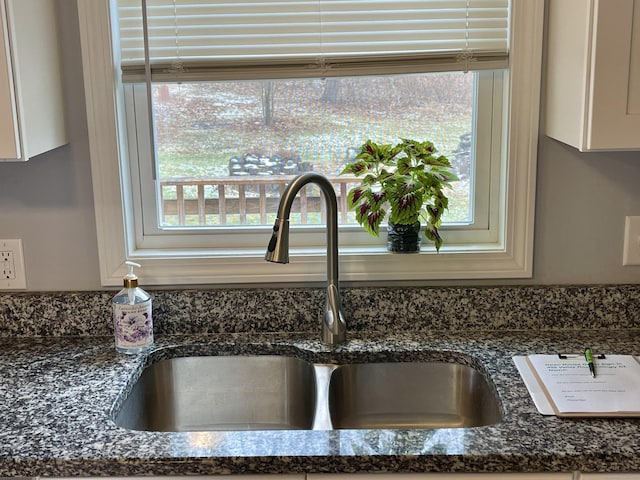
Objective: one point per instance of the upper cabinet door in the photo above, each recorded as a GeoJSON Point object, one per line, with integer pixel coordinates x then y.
{"type": "Point", "coordinates": [31, 92]}
{"type": "Point", "coordinates": [9, 131]}
{"type": "Point", "coordinates": [593, 74]}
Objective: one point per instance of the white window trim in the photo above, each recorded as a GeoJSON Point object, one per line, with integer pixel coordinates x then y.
{"type": "Point", "coordinates": [483, 227]}
{"type": "Point", "coordinates": [510, 256]}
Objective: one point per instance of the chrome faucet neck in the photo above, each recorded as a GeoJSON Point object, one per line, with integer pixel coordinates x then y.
{"type": "Point", "coordinates": [333, 322]}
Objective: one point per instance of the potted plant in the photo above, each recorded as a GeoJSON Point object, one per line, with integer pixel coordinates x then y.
{"type": "Point", "coordinates": [405, 183]}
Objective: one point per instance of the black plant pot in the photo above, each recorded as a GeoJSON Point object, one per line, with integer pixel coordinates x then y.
{"type": "Point", "coordinates": [403, 238]}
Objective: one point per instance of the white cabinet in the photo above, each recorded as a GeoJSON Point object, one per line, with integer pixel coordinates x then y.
{"type": "Point", "coordinates": [593, 74]}
{"type": "Point", "coordinates": [443, 476]}
{"type": "Point", "coordinates": [31, 96]}
{"type": "Point", "coordinates": [609, 476]}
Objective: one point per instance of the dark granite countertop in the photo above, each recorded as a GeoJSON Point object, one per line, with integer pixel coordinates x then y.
{"type": "Point", "coordinates": [57, 394]}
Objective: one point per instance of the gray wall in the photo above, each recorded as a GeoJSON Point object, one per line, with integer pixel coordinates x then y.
{"type": "Point", "coordinates": [582, 200]}
{"type": "Point", "coordinates": [48, 201]}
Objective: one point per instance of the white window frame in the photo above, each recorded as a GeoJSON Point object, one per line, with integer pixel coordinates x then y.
{"type": "Point", "coordinates": [483, 227]}
{"type": "Point", "coordinates": [508, 254]}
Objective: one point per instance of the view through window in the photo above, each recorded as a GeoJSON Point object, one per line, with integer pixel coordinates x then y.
{"type": "Point", "coordinates": [226, 149]}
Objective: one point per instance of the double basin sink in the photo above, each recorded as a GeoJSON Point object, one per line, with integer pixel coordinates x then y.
{"type": "Point", "coordinates": [272, 392]}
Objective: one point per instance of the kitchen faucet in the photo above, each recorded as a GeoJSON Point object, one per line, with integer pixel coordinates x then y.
{"type": "Point", "coordinates": [334, 327]}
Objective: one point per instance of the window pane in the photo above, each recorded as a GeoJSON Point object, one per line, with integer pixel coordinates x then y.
{"type": "Point", "coordinates": [226, 150]}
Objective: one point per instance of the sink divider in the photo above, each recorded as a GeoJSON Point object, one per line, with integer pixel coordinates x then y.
{"type": "Point", "coordinates": [322, 416]}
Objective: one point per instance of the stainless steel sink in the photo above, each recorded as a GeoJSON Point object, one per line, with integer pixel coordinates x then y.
{"type": "Point", "coordinates": [222, 393]}
{"type": "Point", "coordinates": [278, 392]}
{"type": "Point", "coordinates": [410, 395]}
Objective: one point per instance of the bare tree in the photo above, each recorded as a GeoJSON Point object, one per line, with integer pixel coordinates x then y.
{"type": "Point", "coordinates": [268, 94]}
{"type": "Point", "coordinates": [331, 90]}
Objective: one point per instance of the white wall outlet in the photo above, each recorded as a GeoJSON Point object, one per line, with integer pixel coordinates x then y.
{"type": "Point", "coordinates": [12, 275]}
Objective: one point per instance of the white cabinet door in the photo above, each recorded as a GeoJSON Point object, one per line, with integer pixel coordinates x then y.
{"type": "Point", "coordinates": [31, 93]}
{"type": "Point", "coordinates": [283, 476]}
{"type": "Point", "coordinates": [609, 476]}
{"type": "Point", "coordinates": [9, 133]}
{"type": "Point", "coordinates": [593, 74]}
{"type": "Point", "coordinates": [442, 476]}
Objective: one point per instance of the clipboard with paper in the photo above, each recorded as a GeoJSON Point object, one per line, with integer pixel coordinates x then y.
{"type": "Point", "coordinates": [571, 391]}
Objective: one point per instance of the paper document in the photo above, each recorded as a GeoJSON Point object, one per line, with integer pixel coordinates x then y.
{"type": "Point", "coordinates": [571, 389]}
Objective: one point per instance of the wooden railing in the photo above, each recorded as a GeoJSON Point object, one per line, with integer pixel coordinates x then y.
{"type": "Point", "coordinates": [239, 197]}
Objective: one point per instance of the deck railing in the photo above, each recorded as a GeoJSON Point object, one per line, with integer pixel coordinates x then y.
{"type": "Point", "coordinates": [240, 197]}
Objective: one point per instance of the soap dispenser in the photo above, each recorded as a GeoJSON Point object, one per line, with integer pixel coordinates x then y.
{"type": "Point", "coordinates": [132, 321]}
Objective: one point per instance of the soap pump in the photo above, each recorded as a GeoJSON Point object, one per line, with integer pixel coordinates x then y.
{"type": "Point", "coordinates": [132, 320]}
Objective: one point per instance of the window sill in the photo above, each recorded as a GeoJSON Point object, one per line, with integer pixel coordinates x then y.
{"type": "Point", "coordinates": [309, 266]}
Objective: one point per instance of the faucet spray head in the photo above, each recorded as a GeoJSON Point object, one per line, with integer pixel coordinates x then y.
{"type": "Point", "coordinates": [278, 248]}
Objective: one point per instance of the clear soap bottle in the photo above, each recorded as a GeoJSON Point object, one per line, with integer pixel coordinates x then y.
{"type": "Point", "coordinates": [132, 320]}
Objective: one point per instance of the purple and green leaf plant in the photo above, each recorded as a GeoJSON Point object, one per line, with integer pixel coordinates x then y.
{"type": "Point", "coordinates": [403, 183]}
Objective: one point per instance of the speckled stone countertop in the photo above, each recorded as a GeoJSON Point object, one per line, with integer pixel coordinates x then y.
{"type": "Point", "coordinates": [57, 393]}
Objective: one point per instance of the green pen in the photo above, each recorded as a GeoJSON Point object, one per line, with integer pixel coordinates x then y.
{"type": "Point", "coordinates": [589, 358]}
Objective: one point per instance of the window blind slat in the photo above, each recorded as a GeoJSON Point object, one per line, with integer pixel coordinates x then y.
{"type": "Point", "coordinates": [208, 36]}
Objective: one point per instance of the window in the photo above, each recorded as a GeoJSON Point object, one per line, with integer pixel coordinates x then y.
{"type": "Point", "coordinates": [236, 104]}
{"type": "Point", "coordinates": [223, 158]}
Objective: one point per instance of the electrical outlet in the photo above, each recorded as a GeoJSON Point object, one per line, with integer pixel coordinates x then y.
{"type": "Point", "coordinates": [12, 275]}
{"type": "Point", "coordinates": [7, 266]}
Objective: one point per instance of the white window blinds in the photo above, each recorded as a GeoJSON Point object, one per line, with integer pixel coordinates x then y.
{"type": "Point", "coordinates": [207, 39]}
